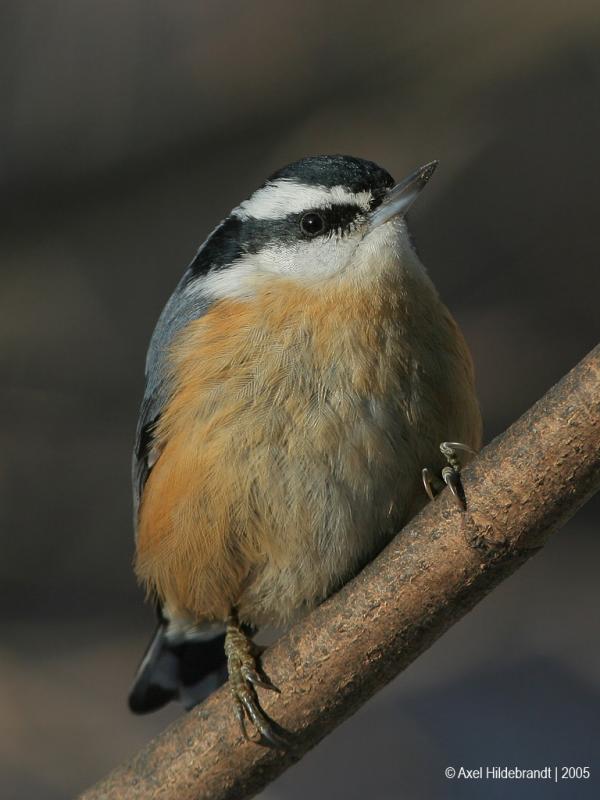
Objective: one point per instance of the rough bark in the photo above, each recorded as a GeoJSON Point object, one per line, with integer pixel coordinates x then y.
{"type": "Point", "coordinates": [521, 488]}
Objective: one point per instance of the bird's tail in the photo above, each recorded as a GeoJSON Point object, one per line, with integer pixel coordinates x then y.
{"type": "Point", "coordinates": [187, 669]}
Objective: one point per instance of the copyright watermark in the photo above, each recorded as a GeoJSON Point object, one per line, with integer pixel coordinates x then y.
{"type": "Point", "coordinates": [505, 773]}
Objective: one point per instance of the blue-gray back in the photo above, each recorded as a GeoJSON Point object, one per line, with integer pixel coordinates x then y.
{"type": "Point", "coordinates": [185, 304]}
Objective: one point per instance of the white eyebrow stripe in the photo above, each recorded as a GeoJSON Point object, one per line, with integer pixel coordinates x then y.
{"type": "Point", "coordinates": [279, 198]}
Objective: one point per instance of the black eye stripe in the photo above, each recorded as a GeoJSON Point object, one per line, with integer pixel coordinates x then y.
{"type": "Point", "coordinates": [235, 237]}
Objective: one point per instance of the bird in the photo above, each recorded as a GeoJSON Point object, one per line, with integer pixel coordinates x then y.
{"type": "Point", "coordinates": [299, 383]}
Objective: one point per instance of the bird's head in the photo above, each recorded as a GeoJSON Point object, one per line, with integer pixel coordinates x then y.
{"type": "Point", "coordinates": [317, 218]}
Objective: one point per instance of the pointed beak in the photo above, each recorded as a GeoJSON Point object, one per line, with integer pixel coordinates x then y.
{"type": "Point", "coordinates": [401, 196]}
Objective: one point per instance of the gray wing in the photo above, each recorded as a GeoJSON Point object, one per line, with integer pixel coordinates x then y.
{"type": "Point", "coordinates": [187, 303]}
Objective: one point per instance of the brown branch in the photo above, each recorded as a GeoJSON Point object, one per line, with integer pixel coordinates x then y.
{"type": "Point", "coordinates": [523, 486]}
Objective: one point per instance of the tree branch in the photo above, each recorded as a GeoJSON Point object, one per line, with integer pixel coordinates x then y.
{"type": "Point", "coordinates": [521, 488]}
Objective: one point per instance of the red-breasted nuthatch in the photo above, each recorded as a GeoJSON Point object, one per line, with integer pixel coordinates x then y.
{"type": "Point", "coordinates": [300, 376]}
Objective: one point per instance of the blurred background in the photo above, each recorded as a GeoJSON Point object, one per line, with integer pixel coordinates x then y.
{"type": "Point", "coordinates": [128, 130]}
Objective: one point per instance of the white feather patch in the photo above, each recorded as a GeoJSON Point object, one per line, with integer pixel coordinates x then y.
{"type": "Point", "coordinates": [282, 197]}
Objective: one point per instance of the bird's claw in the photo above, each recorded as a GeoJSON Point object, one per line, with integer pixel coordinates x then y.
{"type": "Point", "coordinates": [252, 675]}
{"type": "Point", "coordinates": [450, 474]}
{"type": "Point", "coordinates": [244, 676]}
{"type": "Point", "coordinates": [431, 483]}
{"type": "Point", "coordinates": [448, 450]}
{"type": "Point", "coordinates": [451, 478]}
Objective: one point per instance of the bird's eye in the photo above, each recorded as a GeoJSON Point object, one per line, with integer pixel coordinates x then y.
{"type": "Point", "coordinates": [312, 223]}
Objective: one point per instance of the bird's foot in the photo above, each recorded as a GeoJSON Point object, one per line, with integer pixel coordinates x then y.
{"type": "Point", "coordinates": [450, 474]}
{"type": "Point", "coordinates": [244, 676]}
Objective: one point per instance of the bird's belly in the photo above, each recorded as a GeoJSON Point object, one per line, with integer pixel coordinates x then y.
{"type": "Point", "coordinates": [335, 490]}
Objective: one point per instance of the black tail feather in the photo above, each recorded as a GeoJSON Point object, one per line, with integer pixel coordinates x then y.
{"type": "Point", "coordinates": [187, 671]}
